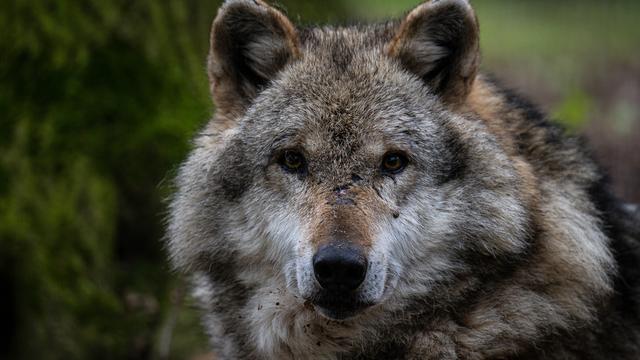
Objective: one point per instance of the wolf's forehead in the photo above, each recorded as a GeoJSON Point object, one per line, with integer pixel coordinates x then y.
{"type": "Point", "coordinates": [339, 65]}
{"type": "Point", "coordinates": [340, 38]}
{"type": "Point", "coordinates": [347, 115]}
{"type": "Point", "coordinates": [345, 92]}
{"type": "Point", "coordinates": [357, 53]}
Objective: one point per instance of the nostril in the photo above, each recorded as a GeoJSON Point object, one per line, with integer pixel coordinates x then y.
{"type": "Point", "coordinates": [323, 270]}
{"type": "Point", "coordinates": [339, 267]}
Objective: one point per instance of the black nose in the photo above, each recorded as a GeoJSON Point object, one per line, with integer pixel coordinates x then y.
{"type": "Point", "coordinates": [339, 267]}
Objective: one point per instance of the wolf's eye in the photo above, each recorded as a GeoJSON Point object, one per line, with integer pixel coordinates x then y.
{"type": "Point", "coordinates": [393, 163]}
{"type": "Point", "coordinates": [292, 161]}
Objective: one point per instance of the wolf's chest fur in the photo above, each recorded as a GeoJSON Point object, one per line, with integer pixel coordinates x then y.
{"type": "Point", "coordinates": [362, 193]}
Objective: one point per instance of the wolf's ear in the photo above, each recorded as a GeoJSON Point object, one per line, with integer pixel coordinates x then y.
{"type": "Point", "coordinates": [438, 41]}
{"type": "Point", "coordinates": [250, 43]}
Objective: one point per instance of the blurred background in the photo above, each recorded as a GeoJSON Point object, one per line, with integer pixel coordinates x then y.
{"type": "Point", "coordinates": [98, 101]}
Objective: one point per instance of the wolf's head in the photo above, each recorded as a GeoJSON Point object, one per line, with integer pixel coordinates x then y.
{"type": "Point", "coordinates": [343, 168]}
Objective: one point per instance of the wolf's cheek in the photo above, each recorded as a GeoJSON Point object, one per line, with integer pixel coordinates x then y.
{"type": "Point", "coordinates": [455, 233]}
{"type": "Point", "coordinates": [419, 245]}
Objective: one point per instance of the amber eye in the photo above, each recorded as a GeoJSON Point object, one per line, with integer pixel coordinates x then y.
{"type": "Point", "coordinates": [394, 163]}
{"type": "Point", "coordinates": [292, 161]}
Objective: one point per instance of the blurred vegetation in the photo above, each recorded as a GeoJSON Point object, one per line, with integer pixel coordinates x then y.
{"type": "Point", "coordinates": [99, 99]}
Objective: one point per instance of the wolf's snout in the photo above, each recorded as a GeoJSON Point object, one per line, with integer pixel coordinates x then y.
{"type": "Point", "coordinates": [339, 267]}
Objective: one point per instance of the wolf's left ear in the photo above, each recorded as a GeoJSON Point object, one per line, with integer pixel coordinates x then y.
{"type": "Point", "coordinates": [438, 41]}
{"type": "Point", "coordinates": [250, 43]}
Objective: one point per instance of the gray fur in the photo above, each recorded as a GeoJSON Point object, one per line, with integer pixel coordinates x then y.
{"type": "Point", "coordinates": [499, 240]}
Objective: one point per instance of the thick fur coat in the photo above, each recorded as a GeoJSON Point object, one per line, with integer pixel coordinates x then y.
{"type": "Point", "coordinates": [464, 224]}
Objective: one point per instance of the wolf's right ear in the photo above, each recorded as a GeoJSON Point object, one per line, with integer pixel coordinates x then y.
{"type": "Point", "coordinates": [250, 43]}
{"type": "Point", "coordinates": [438, 41]}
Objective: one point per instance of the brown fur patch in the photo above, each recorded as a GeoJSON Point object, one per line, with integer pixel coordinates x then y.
{"type": "Point", "coordinates": [489, 106]}
{"type": "Point", "coordinates": [344, 217]}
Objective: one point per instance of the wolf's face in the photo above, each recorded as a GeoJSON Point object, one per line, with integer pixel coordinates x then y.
{"type": "Point", "coordinates": [341, 168]}
{"type": "Point", "coordinates": [360, 181]}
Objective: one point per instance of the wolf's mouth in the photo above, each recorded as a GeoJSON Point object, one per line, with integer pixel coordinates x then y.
{"type": "Point", "coordinates": [336, 308]}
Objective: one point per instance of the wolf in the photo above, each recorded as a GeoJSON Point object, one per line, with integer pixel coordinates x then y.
{"type": "Point", "coordinates": [363, 192]}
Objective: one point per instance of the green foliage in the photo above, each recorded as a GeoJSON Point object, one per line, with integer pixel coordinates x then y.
{"type": "Point", "coordinates": [56, 223]}
{"type": "Point", "coordinates": [574, 110]}
{"type": "Point", "coordinates": [99, 100]}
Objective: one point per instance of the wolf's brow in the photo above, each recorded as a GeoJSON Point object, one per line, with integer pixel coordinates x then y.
{"type": "Point", "coordinates": [281, 139]}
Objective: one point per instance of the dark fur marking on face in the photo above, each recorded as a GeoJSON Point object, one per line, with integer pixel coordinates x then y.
{"type": "Point", "coordinates": [235, 175]}
{"type": "Point", "coordinates": [456, 155]}
{"type": "Point", "coordinates": [232, 189]}
{"type": "Point", "coordinates": [341, 55]}
{"type": "Point", "coordinates": [342, 189]}
{"type": "Point", "coordinates": [341, 131]}
{"type": "Point", "coordinates": [341, 134]}
{"type": "Point", "coordinates": [377, 192]}
{"type": "Point", "coordinates": [341, 200]}
{"type": "Point", "coordinates": [457, 161]}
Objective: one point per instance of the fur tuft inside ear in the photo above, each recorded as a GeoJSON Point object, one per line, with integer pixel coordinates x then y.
{"type": "Point", "coordinates": [438, 41]}
{"type": "Point", "coordinates": [250, 43]}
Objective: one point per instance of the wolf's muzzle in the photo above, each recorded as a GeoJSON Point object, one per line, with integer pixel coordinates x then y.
{"type": "Point", "coordinates": [339, 268]}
